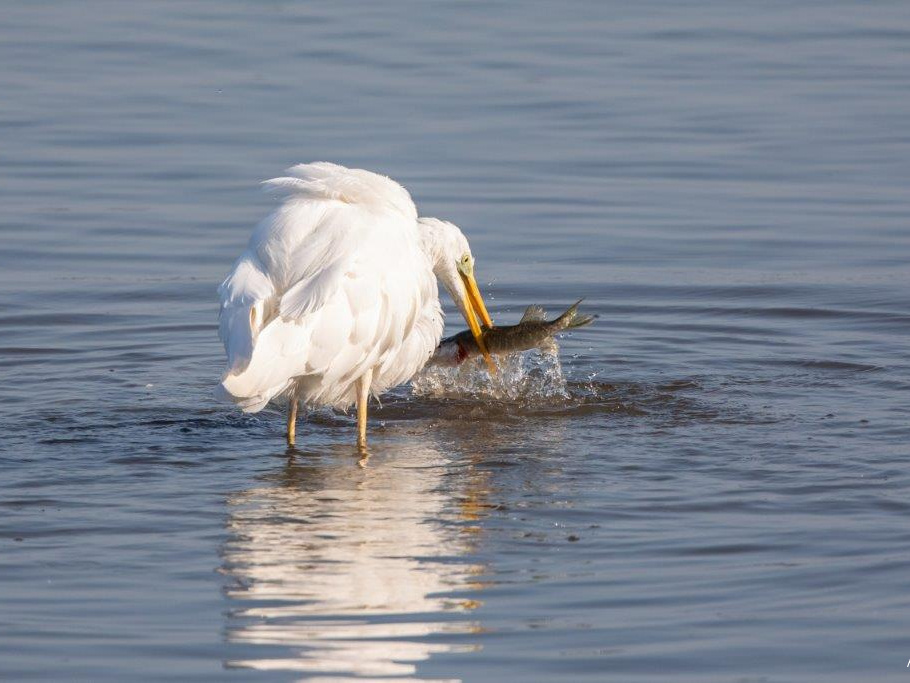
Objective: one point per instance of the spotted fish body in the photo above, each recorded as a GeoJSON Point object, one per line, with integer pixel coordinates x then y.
{"type": "Point", "coordinates": [532, 331]}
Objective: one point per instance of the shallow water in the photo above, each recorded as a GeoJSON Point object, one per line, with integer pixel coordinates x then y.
{"type": "Point", "coordinates": [718, 492]}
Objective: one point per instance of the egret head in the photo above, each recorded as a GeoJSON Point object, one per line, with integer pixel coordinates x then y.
{"type": "Point", "coordinates": [453, 264]}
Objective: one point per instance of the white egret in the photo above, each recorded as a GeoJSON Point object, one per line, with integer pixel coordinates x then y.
{"type": "Point", "coordinates": [336, 298]}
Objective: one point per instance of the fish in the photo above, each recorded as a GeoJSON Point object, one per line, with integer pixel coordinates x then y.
{"type": "Point", "coordinates": [532, 331]}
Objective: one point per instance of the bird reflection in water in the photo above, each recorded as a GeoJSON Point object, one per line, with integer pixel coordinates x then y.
{"type": "Point", "coordinates": [354, 571]}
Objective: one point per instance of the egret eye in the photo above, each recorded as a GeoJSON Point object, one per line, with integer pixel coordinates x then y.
{"type": "Point", "coordinates": [466, 264]}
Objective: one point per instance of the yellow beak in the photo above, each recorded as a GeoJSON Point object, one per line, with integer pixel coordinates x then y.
{"type": "Point", "coordinates": [474, 308]}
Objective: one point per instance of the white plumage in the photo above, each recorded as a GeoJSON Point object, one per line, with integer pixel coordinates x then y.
{"type": "Point", "coordinates": [337, 289]}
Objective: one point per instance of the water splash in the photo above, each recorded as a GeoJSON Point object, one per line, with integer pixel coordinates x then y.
{"type": "Point", "coordinates": [525, 378]}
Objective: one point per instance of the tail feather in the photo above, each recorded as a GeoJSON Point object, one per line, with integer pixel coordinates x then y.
{"type": "Point", "coordinates": [278, 357]}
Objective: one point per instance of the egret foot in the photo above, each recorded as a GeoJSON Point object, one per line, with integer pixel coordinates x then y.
{"type": "Point", "coordinates": [363, 396]}
{"type": "Point", "coordinates": [292, 421]}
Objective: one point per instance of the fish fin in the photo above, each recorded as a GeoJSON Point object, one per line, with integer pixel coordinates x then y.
{"type": "Point", "coordinates": [533, 313]}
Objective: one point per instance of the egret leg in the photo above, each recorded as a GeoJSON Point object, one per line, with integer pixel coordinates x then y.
{"type": "Point", "coordinates": [292, 420]}
{"type": "Point", "coordinates": [363, 395]}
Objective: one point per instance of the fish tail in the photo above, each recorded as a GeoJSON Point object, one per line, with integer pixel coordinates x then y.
{"type": "Point", "coordinates": [581, 321]}
{"type": "Point", "coordinates": [570, 319]}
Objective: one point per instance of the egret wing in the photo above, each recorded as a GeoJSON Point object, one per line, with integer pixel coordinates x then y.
{"type": "Point", "coordinates": [318, 264]}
